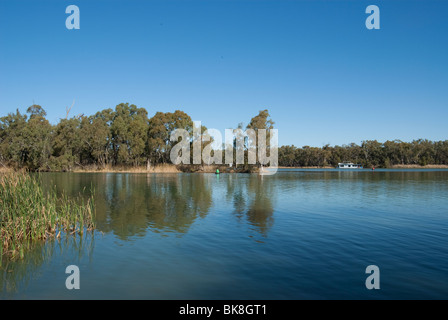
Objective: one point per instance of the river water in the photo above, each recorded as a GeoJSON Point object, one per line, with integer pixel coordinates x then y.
{"type": "Point", "coordinates": [297, 234]}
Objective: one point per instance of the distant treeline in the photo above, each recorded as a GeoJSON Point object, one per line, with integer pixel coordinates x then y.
{"type": "Point", "coordinates": [126, 137]}
{"type": "Point", "coordinates": [123, 137]}
{"type": "Point", "coordinates": [369, 153]}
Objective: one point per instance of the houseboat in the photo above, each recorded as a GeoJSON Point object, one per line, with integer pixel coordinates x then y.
{"type": "Point", "coordinates": [348, 165]}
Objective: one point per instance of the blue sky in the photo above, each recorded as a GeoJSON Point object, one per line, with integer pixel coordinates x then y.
{"type": "Point", "coordinates": [323, 76]}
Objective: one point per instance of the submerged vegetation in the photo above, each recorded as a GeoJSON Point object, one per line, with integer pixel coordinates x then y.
{"type": "Point", "coordinates": [29, 214]}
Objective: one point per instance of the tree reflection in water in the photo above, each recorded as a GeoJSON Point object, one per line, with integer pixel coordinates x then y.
{"type": "Point", "coordinates": [252, 198]}
{"type": "Point", "coordinates": [130, 204]}
{"type": "Point", "coordinates": [15, 275]}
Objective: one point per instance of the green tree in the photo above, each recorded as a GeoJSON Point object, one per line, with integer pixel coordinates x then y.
{"type": "Point", "coordinates": [96, 137]}
{"type": "Point", "coordinates": [13, 145]}
{"type": "Point", "coordinates": [37, 134]}
{"type": "Point", "coordinates": [160, 127]}
{"type": "Point", "coordinates": [67, 144]}
{"type": "Point", "coordinates": [129, 128]}
{"type": "Point", "coordinates": [262, 121]}
{"type": "Point", "coordinates": [373, 153]}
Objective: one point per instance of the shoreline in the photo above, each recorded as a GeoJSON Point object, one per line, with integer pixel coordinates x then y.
{"type": "Point", "coordinates": [416, 166]}
{"type": "Point", "coordinates": [170, 168]}
{"type": "Point", "coordinates": [121, 169]}
{"type": "Point", "coordinates": [398, 166]}
{"type": "Point", "coordinates": [165, 168]}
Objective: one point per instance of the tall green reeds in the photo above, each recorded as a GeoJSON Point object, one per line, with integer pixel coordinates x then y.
{"type": "Point", "coordinates": [29, 214]}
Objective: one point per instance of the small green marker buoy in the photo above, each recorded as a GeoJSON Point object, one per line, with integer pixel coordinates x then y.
{"type": "Point", "coordinates": [217, 171]}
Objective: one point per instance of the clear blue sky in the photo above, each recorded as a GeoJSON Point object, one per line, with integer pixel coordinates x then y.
{"type": "Point", "coordinates": [324, 77]}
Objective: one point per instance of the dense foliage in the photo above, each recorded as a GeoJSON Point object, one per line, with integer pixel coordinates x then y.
{"type": "Point", "coordinates": [127, 137]}
{"type": "Point", "coordinates": [121, 137]}
{"type": "Point", "coordinates": [369, 153]}
{"type": "Point", "coordinates": [29, 213]}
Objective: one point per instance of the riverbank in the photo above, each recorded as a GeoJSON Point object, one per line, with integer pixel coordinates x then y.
{"type": "Point", "coordinates": [170, 168]}
{"type": "Point", "coordinates": [398, 166]}
{"type": "Point", "coordinates": [30, 213]}
{"type": "Point", "coordinates": [310, 167]}
{"type": "Point", "coordinates": [167, 168]}
{"type": "Point", "coordinates": [163, 168]}
{"type": "Point", "coordinates": [416, 166]}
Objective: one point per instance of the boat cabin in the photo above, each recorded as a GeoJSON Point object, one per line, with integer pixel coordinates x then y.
{"type": "Point", "coordinates": [348, 165]}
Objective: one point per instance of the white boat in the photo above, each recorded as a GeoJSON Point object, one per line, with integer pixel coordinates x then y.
{"type": "Point", "coordinates": [348, 165]}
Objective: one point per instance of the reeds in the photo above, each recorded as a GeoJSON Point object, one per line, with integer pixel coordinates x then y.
{"type": "Point", "coordinates": [160, 168]}
{"type": "Point", "coordinates": [28, 214]}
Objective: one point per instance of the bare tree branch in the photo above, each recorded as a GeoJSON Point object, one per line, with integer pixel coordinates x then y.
{"type": "Point", "coordinates": [67, 109]}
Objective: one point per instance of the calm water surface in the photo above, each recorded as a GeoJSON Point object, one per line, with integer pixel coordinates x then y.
{"type": "Point", "coordinates": [299, 234]}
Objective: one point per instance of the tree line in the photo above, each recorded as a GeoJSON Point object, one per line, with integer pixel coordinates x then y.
{"type": "Point", "coordinates": [370, 153]}
{"type": "Point", "coordinates": [124, 136]}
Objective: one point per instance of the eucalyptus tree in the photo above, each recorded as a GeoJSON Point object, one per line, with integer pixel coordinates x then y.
{"type": "Point", "coordinates": [37, 134]}
{"type": "Point", "coordinates": [160, 127]}
{"type": "Point", "coordinates": [97, 137]}
{"type": "Point", "coordinates": [373, 152]}
{"type": "Point", "coordinates": [129, 133]}
{"type": "Point", "coordinates": [67, 144]}
{"type": "Point", "coordinates": [13, 145]}
{"type": "Point", "coordinates": [262, 121]}
{"type": "Point", "coordinates": [125, 136]}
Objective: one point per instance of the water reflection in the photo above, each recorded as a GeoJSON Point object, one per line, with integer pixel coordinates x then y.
{"type": "Point", "coordinates": [16, 275]}
{"type": "Point", "coordinates": [131, 204]}
{"type": "Point", "coordinates": [203, 221]}
{"type": "Point", "coordinates": [252, 199]}
{"type": "Point", "coordinates": [174, 203]}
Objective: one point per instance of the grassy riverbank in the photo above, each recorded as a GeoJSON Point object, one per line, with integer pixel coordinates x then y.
{"type": "Point", "coordinates": [29, 214]}
{"type": "Point", "coordinates": [162, 168]}
{"type": "Point", "coordinates": [171, 168]}
{"type": "Point", "coordinates": [168, 168]}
